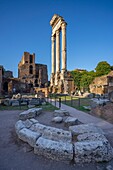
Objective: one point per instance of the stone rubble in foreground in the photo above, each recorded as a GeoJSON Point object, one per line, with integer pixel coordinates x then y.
{"type": "Point", "coordinates": [82, 143]}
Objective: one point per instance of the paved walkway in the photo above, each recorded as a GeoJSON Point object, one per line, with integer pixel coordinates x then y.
{"type": "Point", "coordinates": [86, 118]}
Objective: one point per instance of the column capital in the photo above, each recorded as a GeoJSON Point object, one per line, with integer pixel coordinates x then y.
{"type": "Point", "coordinates": [63, 25]}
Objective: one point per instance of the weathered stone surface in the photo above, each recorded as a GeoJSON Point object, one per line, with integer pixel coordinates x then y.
{"type": "Point", "coordinates": [52, 133]}
{"type": "Point", "coordinates": [24, 103]}
{"type": "Point", "coordinates": [33, 121]}
{"type": "Point", "coordinates": [61, 113]}
{"type": "Point", "coordinates": [27, 123]}
{"type": "Point", "coordinates": [91, 137]}
{"type": "Point", "coordinates": [28, 136]}
{"type": "Point", "coordinates": [38, 111]}
{"type": "Point", "coordinates": [109, 167]}
{"type": "Point", "coordinates": [31, 113]}
{"type": "Point", "coordinates": [54, 149]}
{"type": "Point", "coordinates": [27, 114]}
{"type": "Point", "coordinates": [57, 119]}
{"type": "Point", "coordinates": [34, 101]}
{"type": "Point", "coordinates": [6, 102]}
{"type": "Point", "coordinates": [92, 151]}
{"type": "Point", "coordinates": [54, 143]}
{"type": "Point", "coordinates": [15, 103]}
{"type": "Point", "coordinates": [19, 125]}
{"type": "Point", "coordinates": [70, 121]}
{"type": "Point", "coordinates": [85, 128]}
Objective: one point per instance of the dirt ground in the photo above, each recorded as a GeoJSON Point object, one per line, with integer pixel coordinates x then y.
{"type": "Point", "coordinates": [17, 155]}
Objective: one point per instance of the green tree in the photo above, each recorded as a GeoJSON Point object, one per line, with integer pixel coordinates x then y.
{"type": "Point", "coordinates": [77, 77]}
{"type": "Point", "coordinates": [86, 80]}
{"type": "Point", "coordinates": [102, 68]}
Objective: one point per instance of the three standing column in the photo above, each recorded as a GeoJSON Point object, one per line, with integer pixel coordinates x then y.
{"type": "Point", "coordinates": [55, 52]}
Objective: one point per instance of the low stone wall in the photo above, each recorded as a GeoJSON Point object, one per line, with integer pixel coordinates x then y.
{"type": "Point", "coordinates": [82, 143]}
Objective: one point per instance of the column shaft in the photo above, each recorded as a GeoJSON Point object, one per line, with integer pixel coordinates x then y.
{"type": "Point", "coordinates": [53, 54]}
{"type": "Point", "coordinates": [64, 57]}
{"type": "Point", "coordinates": [57, 51]}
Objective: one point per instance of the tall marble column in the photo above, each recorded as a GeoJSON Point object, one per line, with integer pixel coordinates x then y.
{"type": "Point", "coordinates": [57, 51]}
{"type": "Point", "coordinates": [64, 55]}
{"type": "Point", "coordinates": [53, 54]}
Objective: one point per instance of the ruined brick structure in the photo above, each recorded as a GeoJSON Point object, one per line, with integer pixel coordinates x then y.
{"type": "Point", "coordinates": [30, 76]}
{"type": "Point", "coordinates": [30, 73]}
{"type": "Point", "coordinates": [103, 84]}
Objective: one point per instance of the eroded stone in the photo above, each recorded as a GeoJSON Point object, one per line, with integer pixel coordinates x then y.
{"type": "Point", "coordinates": [28, 136]}
{"type": "Point", "coordinates": [54, 149]}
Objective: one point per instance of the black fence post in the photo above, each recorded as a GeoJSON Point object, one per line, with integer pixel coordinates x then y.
{"type": "Point", "coordinates": [20, 102]}
{"type": "Point", "coordinates": [55, 101]}
{"type": "Point", "coordinates": [65, 99]}
{"type": "Point", "coordinates": [78, 102]}
{"type": "Point", "coordinates": [71, 100]}
{"type": "Point", "coordinates": [59, 102]}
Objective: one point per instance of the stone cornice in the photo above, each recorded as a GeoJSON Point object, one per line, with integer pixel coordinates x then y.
{"type": "Point", "coordinates": [55, 19]}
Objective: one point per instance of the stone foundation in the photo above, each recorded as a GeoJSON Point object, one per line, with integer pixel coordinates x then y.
{"type": "Point", "coordinates": [82, 143]}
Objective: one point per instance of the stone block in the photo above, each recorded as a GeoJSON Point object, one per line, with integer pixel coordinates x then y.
{"type": "Point", "coordinates": [52, 132]}
{"type": "Point", "coordinates": [28, 136]}
{"type": "Point", "coordinates": [92, 151]}
{"type": "Point", "coordinates": [27, 114]}
{"type": "Point", "coordinates": [24, 103]}
{"type": "Point", "coordinates": [91, 137]}
{"type": "Point", "coordinates": [19, 125]}
{"type": "Point", "coordinates": [15, 103]}
{"type": "Point", "coordinates": [61, 113]}
{"type": "Point", "coordinates": [27, 123]}
{"type": "Point", "coordinates": [85, 128]}
{"type": "Point", "coordinates": [54, 149]}
{"type": "Point", "coordinates": [57, 119]}
{"type": "Point", "coordinates": [34, 101]}
{"type": "Point", "coordinates": [6, 102]}
{"type": "Point", "coordinates": [33, 121]}
{"type": "Point", "coordinates": [70, 121]}
{"type": "Point", "coordinates": [30, 113]}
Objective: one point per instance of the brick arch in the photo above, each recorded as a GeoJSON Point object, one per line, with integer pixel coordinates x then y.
{"type": "Point", "coordinates": [30, 69]}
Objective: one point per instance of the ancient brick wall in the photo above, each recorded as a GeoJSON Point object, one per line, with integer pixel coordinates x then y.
{"type": "Point", "coordinates": [31, 73]}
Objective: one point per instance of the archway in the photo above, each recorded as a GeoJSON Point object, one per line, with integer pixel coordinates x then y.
{"type": "Point", "coordinates": [5, 87]}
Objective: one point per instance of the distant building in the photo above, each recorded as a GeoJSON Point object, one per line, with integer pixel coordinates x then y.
{"type": "Point", "coordinates": [102, 84]}
{"type": "Point", "coordinates": [35, 75]}
{"type": "Point", "coordinates": [30, 76]}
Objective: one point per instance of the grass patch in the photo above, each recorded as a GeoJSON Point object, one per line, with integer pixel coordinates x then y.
{"type": "Point", "coordinates": [47, 106]}
{"type": "Point", "coordinates": [13, 107]}
{"type": "Point", "coordinates": [78, 103]}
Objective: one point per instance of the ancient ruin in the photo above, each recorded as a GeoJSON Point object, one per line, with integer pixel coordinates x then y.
{"type": "Point", "coordinates": [34, 75]}
{"type": "Point", "coordinates": [31, 77]}
{"type": "Point", "coordinates": [80, 143]}
{"type": "Point", "coordinates": [102, 85]}
{"type": "Point", "coordinates": [60, 82]}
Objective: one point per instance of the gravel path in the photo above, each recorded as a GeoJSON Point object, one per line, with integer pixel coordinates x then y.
{"type": "Point", "coordinates": [16, 155]}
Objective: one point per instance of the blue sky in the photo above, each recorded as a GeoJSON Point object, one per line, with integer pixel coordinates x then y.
{"type": "Point", "coordinates": [24, 26]}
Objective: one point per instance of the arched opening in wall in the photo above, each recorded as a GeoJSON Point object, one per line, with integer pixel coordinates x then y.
{"type": "Point", "coordinates": [30, 69]}
{"type": "Point", "coordinates": [36, 83]}
{"type": "Point", "coordinates": [31, 59]}
{"type": "Point", "coordinates": [5, 87]}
